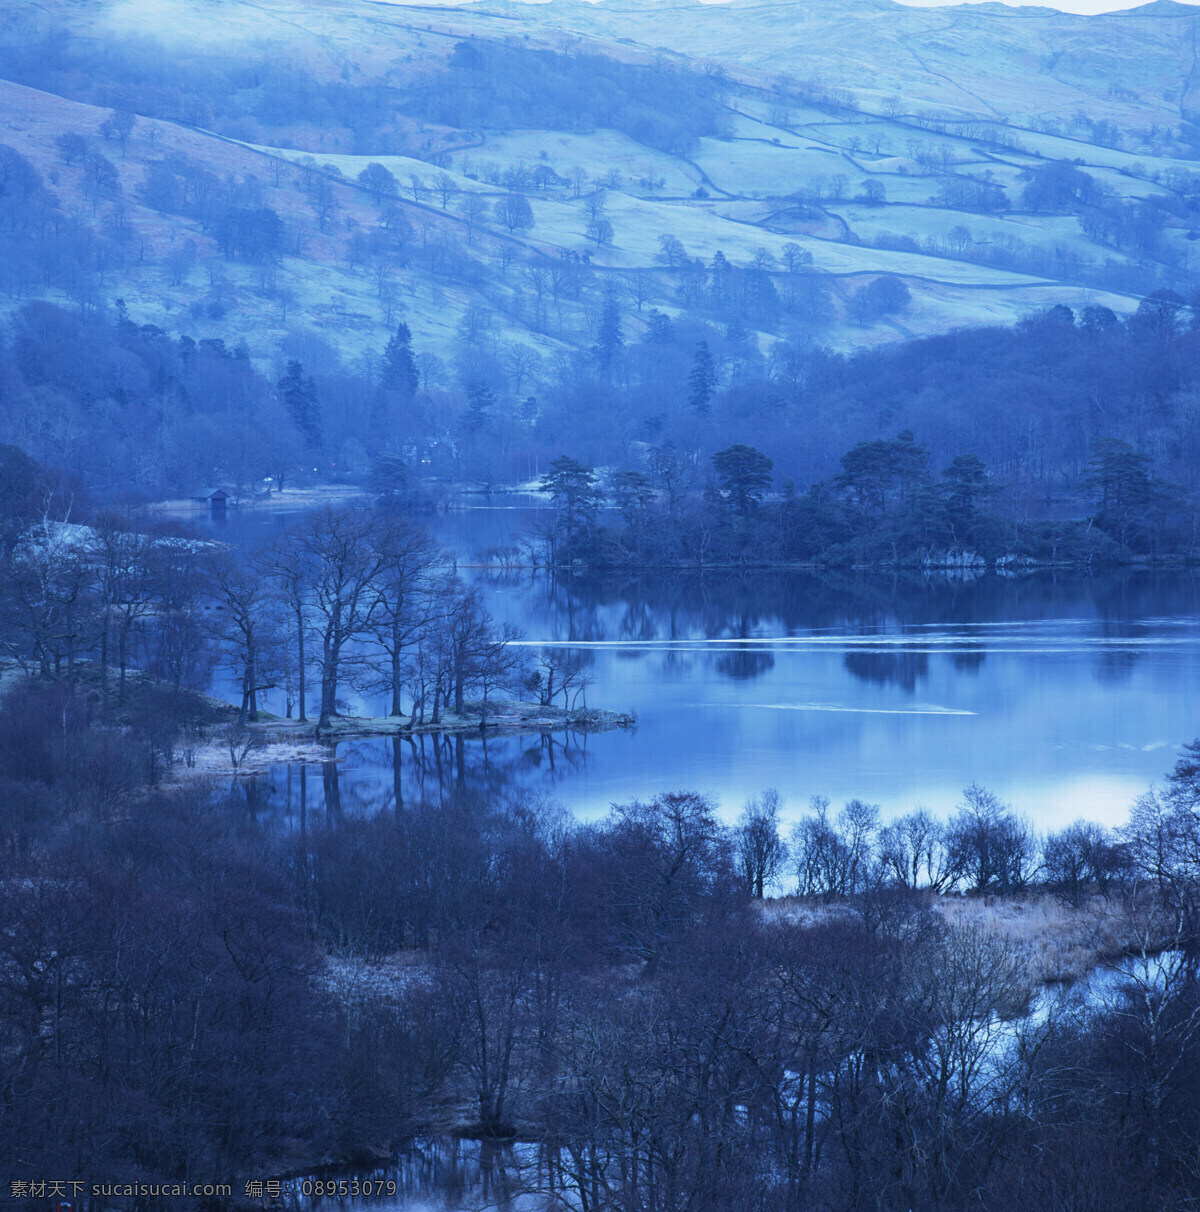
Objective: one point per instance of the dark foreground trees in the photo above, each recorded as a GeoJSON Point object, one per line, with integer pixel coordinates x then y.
{"type": "Point", "coordinates": [157, 1010]}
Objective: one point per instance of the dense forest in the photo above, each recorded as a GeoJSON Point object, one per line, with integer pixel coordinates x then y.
{"type": "Point", "coordinates": [1064, 439]}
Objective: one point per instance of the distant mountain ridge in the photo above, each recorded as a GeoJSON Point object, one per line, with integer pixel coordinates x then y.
{"type": "Point", "coordinates": [936, 56]}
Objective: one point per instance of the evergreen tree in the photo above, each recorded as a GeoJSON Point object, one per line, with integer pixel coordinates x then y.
{"type": "Point", "coordinates": [399, 372]}
{"type": "Point", "coordinates": [481, 400]}
{"type": "Point", "coordinates": [964, 485]}
{"type": "Point", "coordinates": [388, 476]}
{"type": "Point", "coordinates": [743, 474]}
{"type": "Point", "coordinates": [702, 380]}
{"type": "Point", "coordinates": [577, 499]}
{"type": "Point", "coordinates": [299, 394]}
{"type": "Point", "coordinates": [719, 283]}
{"type": "Point", "coordinates": [610, 341]}
{"type": "Point", "coordinates": [735, 331]}
{"type": "Point", "coordinates": [1118, 478]}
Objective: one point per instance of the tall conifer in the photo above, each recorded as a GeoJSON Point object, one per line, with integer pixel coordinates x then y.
{"type": "Point", "coordinates": [399, 372]}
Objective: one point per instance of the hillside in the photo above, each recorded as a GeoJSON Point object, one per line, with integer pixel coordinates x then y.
{"type": "Point", "coordinates": [826, 146]}
{"type": "Point", "coordinates": [1025, 66]}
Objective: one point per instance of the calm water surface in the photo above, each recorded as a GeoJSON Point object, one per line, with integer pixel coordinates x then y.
{"type": "Point", "coordinates": [1065, 695]}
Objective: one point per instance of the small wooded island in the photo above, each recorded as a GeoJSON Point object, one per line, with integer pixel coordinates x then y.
{"type": "Point", "coordinates": [248, 750]}
{"type": "Point", "coordinates": [501, 716]}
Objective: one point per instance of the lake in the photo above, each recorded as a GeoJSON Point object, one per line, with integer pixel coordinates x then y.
{"type": "Point", "coordinates": [1066, 695]}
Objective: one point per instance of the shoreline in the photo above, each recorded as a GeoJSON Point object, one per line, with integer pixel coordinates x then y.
{"type": "Point", "coordinates": [286, 500]}
{"type": "Point", "coordinates": [273, 742]}
{"type": "Point", "coordinates": [507, 717]}
{"type": "Point", "coordinates": [951, 570]}
{"type": "Point", "coordinates": [1057, 947]}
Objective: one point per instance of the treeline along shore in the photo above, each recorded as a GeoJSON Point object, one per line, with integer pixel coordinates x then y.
{"type": "Point", "coordinates": [1063, 440]}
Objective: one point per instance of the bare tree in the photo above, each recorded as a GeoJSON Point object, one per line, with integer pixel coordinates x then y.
{"type": "Point", "coordinates": [286, 561]}
{"type": "Point", "coordinates": [474, 325]}
{"type": "Point", "coordinates": [45, 586]}
{"type": "Point", "coordinates": [240, 742]}
{"type": "Point", "coordinates": [559, 671]}
{"type": "Point", "coordinates": [406, 599]}
{"type": "Point", "coordinates": [339, 547]}
{"type": "Point", "coordinates": [641, 289]}
{"type": "Point", "coordinates": [475, 209]}
{"type": "Point", "coordinates": [914, 853]}
{"type": "Point", "coordinates": [520, 364]}
{"type": "Point", "coordinates": [761, 852]}
{"type": "Point", "coordinates": [119, 125]}
{"type": "Point", "coordinates": [482, 1001]}
{"type": "Point", "coordinates": [595, 204]}
{"type": "Point", "coordinates": [126, 590]}
{"type": "Point", "coordinates": [538, 276]}
{"type": "Point", "coordinates": [446, 188]}
{"type": "Point", "coordinates": [469, 634]}
{"type": "Point", "coordinates": [670, 851]}
{"type": "Point", "coordinates": [244, 602]}
{"type": "Point", "coordinates": [601, 231]}
{"type": "Point", "coordinates": [989, 844]}
{"type": "Point", "coordinates": [322, 199]}
{"type": "Point", "coordinates": [498, 665]}
{"type": "Point", "coordinates": [513, 213]}
{"type": "Point", "coordinates": [960, 986]}
{"type": "Point", "coordinates": [796, 258]}
{"type": "Point", "coordinates": [675, 472]}
{"type": "Point", "coordinates": [378, 182]}
{"type": "Point", "coordinates": [835, 858]}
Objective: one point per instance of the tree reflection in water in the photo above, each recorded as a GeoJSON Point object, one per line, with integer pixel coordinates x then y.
{"type": "Point", "coordinates": [681, 604]}
{"type": "Point", "coordinates": [745, 664]}
{"type": "Point", "coordinates": [903, 669]}
{"type": "Point", "coordinates": [673, 646]}
{"type": "Point", "coordinates": [968, 659]}
{"type": "Point", "coordinates": [395, 774]}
